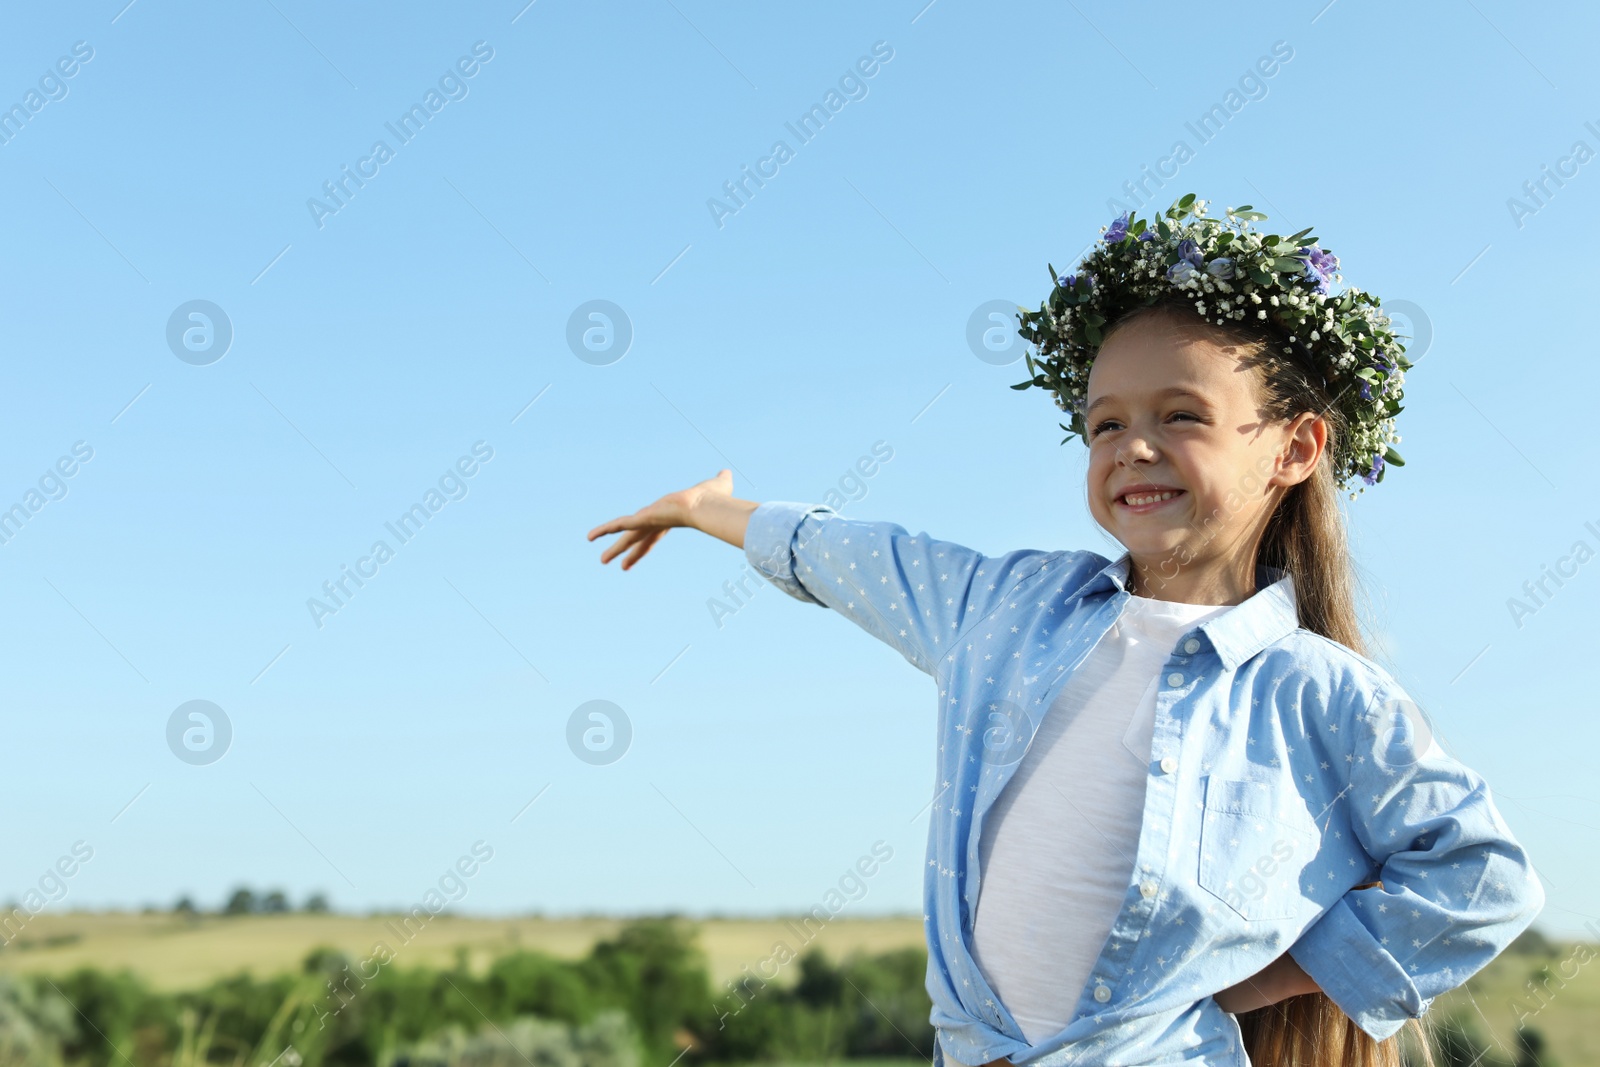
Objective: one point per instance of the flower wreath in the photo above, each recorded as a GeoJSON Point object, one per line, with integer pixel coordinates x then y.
{"type": "Point", "coordinates": [1245, 275]}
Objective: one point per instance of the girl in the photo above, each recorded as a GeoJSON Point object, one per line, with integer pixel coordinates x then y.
{"type": "Point", "coordinates": [1179, 815]}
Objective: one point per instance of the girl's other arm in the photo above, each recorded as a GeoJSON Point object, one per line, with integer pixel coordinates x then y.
{"type": "Point", "coordinates": [1455, 885]}
{"type": "Point", "coordinates": [1278, 980]}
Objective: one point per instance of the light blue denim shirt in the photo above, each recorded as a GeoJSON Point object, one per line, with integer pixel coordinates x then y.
{"type": "Point", "coordinates": [1285, 769]}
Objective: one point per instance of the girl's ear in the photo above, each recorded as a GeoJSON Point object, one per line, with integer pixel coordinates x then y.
{"type": "Point", "coordinates": [1305, 440]}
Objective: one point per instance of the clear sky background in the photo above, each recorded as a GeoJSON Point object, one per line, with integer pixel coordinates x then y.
{"type": "Point", "coordinates": [374, 345]}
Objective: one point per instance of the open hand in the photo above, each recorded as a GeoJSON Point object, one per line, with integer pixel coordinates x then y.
{"type": "Point", "coordinates": [641, 530]}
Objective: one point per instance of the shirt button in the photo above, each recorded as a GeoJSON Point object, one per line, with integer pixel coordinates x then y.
{"type": "Point", "coordinates": [1168, 764]}
{"type": "Point", "coordinates": [1147, 888]}
{"type": "Point", "coordinates": [1102, 993]}
{"type": "Point", "coordinates": [1191, 645]}
{"type": "Point", "coordinates": [1175, 679]}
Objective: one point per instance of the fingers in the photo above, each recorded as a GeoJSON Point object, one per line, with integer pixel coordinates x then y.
{"type": "Point", "coordinates": [619, 545]}
{"type": "Point", "coordinates": [646, 542]}
{"type": "Point", "coordinates": [613, 526]}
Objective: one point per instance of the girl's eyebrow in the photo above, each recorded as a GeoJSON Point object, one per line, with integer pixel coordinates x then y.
{"type": "Point", "coordinates": [1173, 390]}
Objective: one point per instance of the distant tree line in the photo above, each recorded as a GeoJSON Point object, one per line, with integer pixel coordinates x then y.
{"type": "Point", "coordinates": [246, 901]}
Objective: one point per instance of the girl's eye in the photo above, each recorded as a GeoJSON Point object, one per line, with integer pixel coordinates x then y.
{"type": "Point", "coordinates": [1100, 426]}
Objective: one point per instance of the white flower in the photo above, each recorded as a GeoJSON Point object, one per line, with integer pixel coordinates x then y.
{"type": "Point", "coordinates": [1315, 336]}
{"type": "Point", "coordinates": [1261, 314]}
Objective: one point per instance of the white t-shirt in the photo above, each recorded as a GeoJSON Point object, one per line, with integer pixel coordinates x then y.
{"type": "Point", "coordinates": [1058, 845]}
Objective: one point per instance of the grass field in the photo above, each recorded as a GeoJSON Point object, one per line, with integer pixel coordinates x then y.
{"type": "Point", "coordinates": [174, 952]}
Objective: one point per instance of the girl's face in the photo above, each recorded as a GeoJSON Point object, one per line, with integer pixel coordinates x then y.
{"type": "Point", "coordinates": [1173, 413]}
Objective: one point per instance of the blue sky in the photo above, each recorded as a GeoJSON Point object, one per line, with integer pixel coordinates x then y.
{"type": "Point", "coordinates": [374, 346]}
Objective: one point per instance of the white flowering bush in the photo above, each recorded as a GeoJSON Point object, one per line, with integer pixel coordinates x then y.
{"type": "Point", "coordinates": [1233, 273]}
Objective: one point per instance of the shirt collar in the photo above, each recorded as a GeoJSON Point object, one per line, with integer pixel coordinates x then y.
{"type": "Point", "coordinates": [1262, 619]}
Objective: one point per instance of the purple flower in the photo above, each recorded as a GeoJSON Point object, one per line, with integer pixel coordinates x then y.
{"type": "Point", "coordinates": [1377, 465]}
{"type": "Point", "coordinates": [1366, 391]}
{"type": "Point", "coordinates": [1118, 229]}
{"type": "Point", "coordinates": [1320, 265]}
{"type": "Point", "coordinates": [1068, 281]}
{"type": "Point", "coordinates": [1182, 272]}
{"type": "Point", "coordinates": [1148, 235]}
{"type": "Point", "coordinates": [1221, 267]}
{"type": "Point", "coordinates": [1189, 252]}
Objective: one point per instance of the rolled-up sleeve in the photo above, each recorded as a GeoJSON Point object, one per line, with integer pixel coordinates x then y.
{"type": "Point", "coordinates": [911, 591]}
{"type": "Point", "coordinates": [1456, 888]}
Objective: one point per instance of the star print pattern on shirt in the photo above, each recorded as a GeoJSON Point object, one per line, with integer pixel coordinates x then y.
{"type": "Point", "coordinates": [1301, 773]}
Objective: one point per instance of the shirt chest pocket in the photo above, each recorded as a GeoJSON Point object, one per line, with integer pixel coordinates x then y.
{"type": "Point", "coordinates": [1251, 853]}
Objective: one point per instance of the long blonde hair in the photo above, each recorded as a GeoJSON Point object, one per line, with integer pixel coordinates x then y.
{"type": "Point", "coordinates": [1306, 537]}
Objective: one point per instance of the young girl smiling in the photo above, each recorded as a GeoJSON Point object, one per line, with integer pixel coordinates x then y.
{"type": "Point", "coordinates": [1179, 815]}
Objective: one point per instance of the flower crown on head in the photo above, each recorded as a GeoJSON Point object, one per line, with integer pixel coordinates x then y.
{"type": "Point", "coordinates": [1235, 273]}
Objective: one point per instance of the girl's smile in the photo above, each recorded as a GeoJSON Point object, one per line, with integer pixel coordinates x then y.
{"type": "Point", "coordinates": [1141, 499]}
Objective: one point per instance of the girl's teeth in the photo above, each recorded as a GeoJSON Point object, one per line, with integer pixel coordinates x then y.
{"type": "Point", "coordinates": [1136, 501]}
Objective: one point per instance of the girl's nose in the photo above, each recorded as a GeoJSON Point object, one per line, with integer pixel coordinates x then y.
{"type": "Point", "coordinates": [1135, 446]}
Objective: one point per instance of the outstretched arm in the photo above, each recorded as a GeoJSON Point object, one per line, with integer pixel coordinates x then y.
{"type": "Point", "coordinates": [911, 591]}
